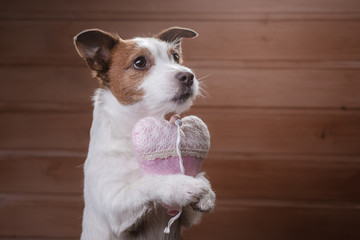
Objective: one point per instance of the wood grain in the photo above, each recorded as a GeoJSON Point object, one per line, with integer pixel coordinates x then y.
{"type": "Point", "coordinates": [275, 131]}
{"type": "Point", "coordinates": [232, 130]}
{"type": "Point", "coordinates": [289, 88]}
{"type": "Point", "coordinates": [66, 85]}
{"type": "Point", "coordinates": [287, 177]}
{"type": "Point", "coordinates": [35, 238]}
{"type": "Point", "coordinates": [278, 222]}
{"type": "Point", "coordinates": [282, 108]}
{"type": "Point", "coordinates": [254, 40]}
{"type": "Point", "coordinates": [25, 215]}
{"type": "Point", "coordinates": [41, 174]}
{"type": "Point", "coordinates": [284, 88]}
{"type": "Point", "coordinates": [281, 177]}
{"type": "Point", "coordinates": [186, 9]}
{"type": "Point", "coordinates": [44, 130]}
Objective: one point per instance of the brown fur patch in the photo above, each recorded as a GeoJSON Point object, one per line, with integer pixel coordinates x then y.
{"type": "Point", "coordinates": [123, 79]}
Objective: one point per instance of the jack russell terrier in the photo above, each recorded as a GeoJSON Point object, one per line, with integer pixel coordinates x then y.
{"type": "Point", "coordinates": [139, 77]}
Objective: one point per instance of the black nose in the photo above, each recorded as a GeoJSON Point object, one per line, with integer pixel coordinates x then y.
{"type": "Point", "coordinates": [186, 77]}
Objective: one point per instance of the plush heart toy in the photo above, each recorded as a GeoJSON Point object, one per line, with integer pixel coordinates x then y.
{"type": "Point", "coordinates": [154, 140]}
{"type": "Point", "coordinates": [164, 148]}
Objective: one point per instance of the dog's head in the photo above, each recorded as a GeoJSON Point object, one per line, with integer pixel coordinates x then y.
{"type": "Point", "coordinates": [142, 71]}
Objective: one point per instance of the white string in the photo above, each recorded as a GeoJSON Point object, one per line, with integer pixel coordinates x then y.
{"type": "Point", "coordinates": [171, 221]}
{"type": "Point", "coordinates": [178, 123]}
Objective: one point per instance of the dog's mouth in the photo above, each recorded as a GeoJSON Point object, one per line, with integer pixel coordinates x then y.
{"type": "Point", "coordinates": [184, 95]}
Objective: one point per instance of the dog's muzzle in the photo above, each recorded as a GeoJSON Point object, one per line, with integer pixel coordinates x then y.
{"type": "Point", "coordinates": [186, 80]}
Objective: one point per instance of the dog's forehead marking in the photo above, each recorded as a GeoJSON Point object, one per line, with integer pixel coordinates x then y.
{"type": "Point", "coordinates": [158, 48]}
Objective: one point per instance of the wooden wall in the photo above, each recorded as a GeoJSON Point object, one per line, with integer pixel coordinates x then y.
{"type": "Point", "coordinates": [283, 108]}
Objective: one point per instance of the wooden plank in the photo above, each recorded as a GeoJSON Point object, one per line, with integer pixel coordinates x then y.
{"type": "Point", "coordinates": [178, 16]}
{"type": "Point", "coordinates": [35, 238]}
{"type": "Point", "coordinates": [40, 215]}
{"type": "Point", "coordinates": [260, 64]}
{"type": "Point", "coordinates": [48, 216]}
{"type": "Point", "coordinates": [278, 222]}
{"type": "Point", "coordinates": [232, 130]}
{"type": "Point", "coordinates": [159, 9]}
{"type": "Point", "coordinates": [291, 88]}
{"type": "Point", "coordinates": [287, 177]}
{"type": "Point", "coordinates": [65, 85]}
{"type": "Point", "coordinates": [275, 131]}
{"type": "Point", "coordinates": [51, 42]}
{"type": "Point", "coordinates": [45, 130]}
{"type": "Point", "coordinates": [281, 88]}
{"type": "Point", "coordinates": [47, 174]}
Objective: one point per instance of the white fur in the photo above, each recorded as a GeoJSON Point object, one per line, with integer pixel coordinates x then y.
{"type": "Point", "coordinates": [118, 196]}
{"type": "Point", "coordinates": [160, 85]}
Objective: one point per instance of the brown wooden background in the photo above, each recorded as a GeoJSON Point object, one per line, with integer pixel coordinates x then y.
{"type": "Point", "coordinates": [283, 110]}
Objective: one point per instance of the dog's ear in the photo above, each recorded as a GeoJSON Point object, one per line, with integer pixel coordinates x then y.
{"type": "Point", "coordinates": [95, 47]}
{"type": "Point", "coordinates": [174, 34]}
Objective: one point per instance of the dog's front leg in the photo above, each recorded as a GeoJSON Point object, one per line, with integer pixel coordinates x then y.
{"type": "Point", "coordinates": [192, 214]}
{"type": "Point", "coordinates": [128, 203]}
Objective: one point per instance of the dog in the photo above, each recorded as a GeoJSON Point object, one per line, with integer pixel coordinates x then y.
{"type": "Point", "coordinates": [138, 77]}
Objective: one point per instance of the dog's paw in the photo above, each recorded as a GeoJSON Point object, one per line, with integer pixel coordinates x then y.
{"type": "Point", "coordinates": [206, 201]}
{"type": "Point", "coordinates": [183, 190]}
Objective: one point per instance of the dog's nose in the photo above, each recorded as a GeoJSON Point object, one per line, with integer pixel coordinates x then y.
{"type": "Point", "coordinates": [186, 77]}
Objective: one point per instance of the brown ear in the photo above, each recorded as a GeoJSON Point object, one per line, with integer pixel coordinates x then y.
{"type": "Point", "coordinates": [174, 34]}
{"type": "Point", "coordinates": [95, 47]}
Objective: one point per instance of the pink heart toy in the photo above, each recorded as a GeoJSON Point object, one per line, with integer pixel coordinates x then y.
{"type": "Point", "coordinates": [154, 140]}
{"type": "Point", "coordinates": [161, 148]}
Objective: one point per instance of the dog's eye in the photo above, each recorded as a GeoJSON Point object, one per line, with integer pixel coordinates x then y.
{"type": "Point", "coordinates": [176, 57]}
{"type": "Point", "coordinates": [140, 63]}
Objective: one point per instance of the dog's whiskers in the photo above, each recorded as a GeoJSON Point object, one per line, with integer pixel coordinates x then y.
{"type": "Point", "coordinates": [202, 92]}
{"type": "Point", "coordinates": [203, 77]}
